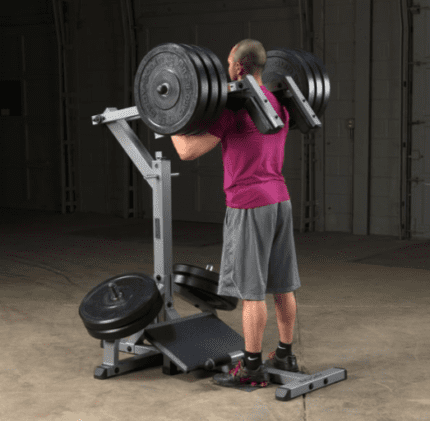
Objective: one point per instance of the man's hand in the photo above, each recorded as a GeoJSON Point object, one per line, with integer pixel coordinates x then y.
{"type": "Point", "coordinates": [193, 147]}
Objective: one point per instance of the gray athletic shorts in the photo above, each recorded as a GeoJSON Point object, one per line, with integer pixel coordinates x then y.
{"type": "Point", "coordinates": [258, 254]}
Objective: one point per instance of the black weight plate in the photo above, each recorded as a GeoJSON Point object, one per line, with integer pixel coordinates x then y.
{"type": "Point", "coordinates": [318, 79]}
{"type": "Point", "coordinates": [326, 83]}
{"type": "Point", "coordinates": [131, 328]}
{"type": "Point", "coordinates": [222, 83]}
{"type": "Point", "coordinates": [278, 65]}
{"type": "Point", "coordinates": [194, 126]}
{"type": "Point", "coordinates": [192, 282]}
{"type": "Point", "coordinates": [197, 127]}
{"type": "Point", "coordinates": [99, 312]}
{"type": "Point", "coordinates": [214, 89]}
{"type": "Point", "coordinates": [218, 302]}
{"type": "Point", "coordinates": [204, 285]}
{"type": "Point", "coordinates": [167, 89]}
{"type": "Point", "coordinates": [308, 73]}
{"type": "Point", "coordinates": [197, 272]}
{"type": "Point", "coordinates": [282, 62]}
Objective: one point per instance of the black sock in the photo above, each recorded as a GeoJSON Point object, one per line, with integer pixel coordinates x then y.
{"type": "Point", "coordinates": [283, 350]}
{"type": "Point", "coordinates": [253, 360]}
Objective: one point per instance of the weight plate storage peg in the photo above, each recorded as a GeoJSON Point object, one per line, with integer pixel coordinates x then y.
{"type": "Point", "coordinates": [171, 89]}
{"type": "Point", "coordinates": [118, 301]}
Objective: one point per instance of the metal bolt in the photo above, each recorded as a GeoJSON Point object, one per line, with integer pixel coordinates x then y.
{"type": "Point", "coordinates": [116, 294]}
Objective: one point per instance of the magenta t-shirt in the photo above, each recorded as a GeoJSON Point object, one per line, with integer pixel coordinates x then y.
{"type": "Point", "coordinates": [252, 161]}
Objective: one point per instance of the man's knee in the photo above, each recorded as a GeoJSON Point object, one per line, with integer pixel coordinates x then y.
{"type": "Point", "coordinates": [254, 301]}
{"type": "Point", "coordinates": [283, 296]}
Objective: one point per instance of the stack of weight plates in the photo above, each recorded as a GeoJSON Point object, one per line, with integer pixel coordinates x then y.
{"type": "Point", "coordinates": [180, 89]}
{"type": "Point", "coordinates": [204, 285]}
{"type": "Point", "coordinates": [121, 306]}
{"type": "Point", "coordinates": [307, 71]}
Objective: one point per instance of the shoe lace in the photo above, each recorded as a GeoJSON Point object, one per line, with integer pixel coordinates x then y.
{"type": "Point", "coordinates": [238, 370]}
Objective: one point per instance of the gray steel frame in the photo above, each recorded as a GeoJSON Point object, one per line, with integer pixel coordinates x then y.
{"type": "Point", "coordinates": [158, 175]}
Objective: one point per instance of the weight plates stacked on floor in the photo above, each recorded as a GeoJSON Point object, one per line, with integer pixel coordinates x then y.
{"type": "Point", "coordinates": [180, 89]}
{"type": "Point", "coordinates": [121, 306]}
{"type": "Point", "coordinates": [204, 285]}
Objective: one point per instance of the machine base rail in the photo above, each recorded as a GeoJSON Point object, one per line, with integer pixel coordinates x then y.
{"type": "Point", "coordinates": [297, 384]}
{"type": "Point", "coordinates": [170, 347]}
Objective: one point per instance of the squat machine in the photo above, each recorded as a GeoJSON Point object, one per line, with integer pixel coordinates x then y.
{"type": "Point", "coordinates": [184, 344]}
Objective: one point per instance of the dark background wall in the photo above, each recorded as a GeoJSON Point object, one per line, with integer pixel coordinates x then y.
{"type": "Point", "coordinates": [372, 179]}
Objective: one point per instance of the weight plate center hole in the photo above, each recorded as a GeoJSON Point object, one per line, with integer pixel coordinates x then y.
{"type": "Point", "coordinates": [163, 89]}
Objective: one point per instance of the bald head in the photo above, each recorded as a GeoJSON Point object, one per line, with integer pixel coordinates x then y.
{"type": "Point", "coordinates": [248, 57]}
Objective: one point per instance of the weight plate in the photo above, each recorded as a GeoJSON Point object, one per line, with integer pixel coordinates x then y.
{"type": "Point", "coordinates": [131, 328]}
{"type": "Point", "coordinates": [168, 89]}
{"type": "Point", "coordinates": [278, 65]}
{"type": "Point", "coordinates": [308, 74]}
{"type": "Point", "coordinates": [204, 91]}
{"type": "Point", "coordinates": [197, 272]}
{"type": "Point", "coordinates": [204, 285]}
{"type": "Point", "coordinates": [326, 83]}
{"type": "Point", "coordinates": [99, 311]}
{"type": "Point", "coordinates": [196, 127]}
{"type": "Point", "coordinates": [318, 80]}
{"type": "Point", "coordinates": [282, 62]}
{"type": "Point", "coordinates": [192, 282]}
{"type": "Point", "coordinates": [222, 83]}
{"type": "Point", "coordinates": [218, 302]}
{"type": "Point", "coordinates": [214, 89]}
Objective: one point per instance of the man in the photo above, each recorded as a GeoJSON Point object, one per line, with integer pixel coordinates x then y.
{"type": "Point", "coordinates": [258, 254]}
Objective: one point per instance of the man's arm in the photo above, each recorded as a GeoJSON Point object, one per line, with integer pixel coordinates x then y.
{"type": "Point", "coordinates": [193, 147]}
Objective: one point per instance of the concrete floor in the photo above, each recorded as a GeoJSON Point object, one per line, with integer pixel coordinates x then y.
{"type": "Point", "coordinates": [363, 306]}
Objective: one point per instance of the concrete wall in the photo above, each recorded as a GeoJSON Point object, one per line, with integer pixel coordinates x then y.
{"type": "Point", "coordinates": [361, 170]}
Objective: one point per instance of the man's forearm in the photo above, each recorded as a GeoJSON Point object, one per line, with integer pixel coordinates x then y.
{"type": "Point", "coordinates": [192, 147]}
{"type": "Point", "coordinates": [183, 145]}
